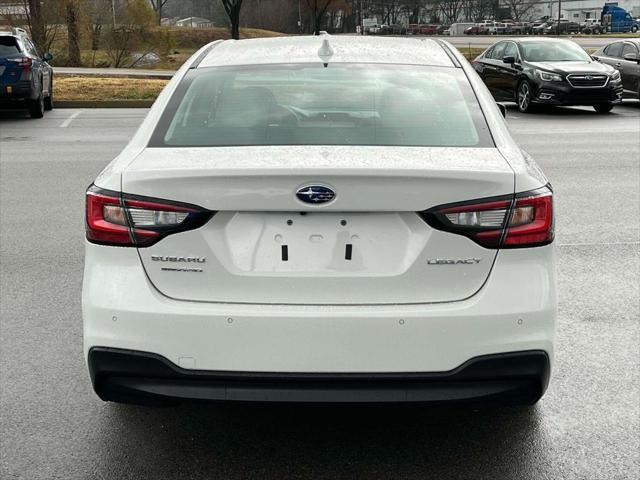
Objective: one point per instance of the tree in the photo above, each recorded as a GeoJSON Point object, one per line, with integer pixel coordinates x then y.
{"type": "Point", "coordinates": [42, 21]}
{"type": "Point", "coordinates": [72, 19]}
{"type": "Point", "coordinates": [451, 9]}
{"type": "Point", "coordinates": [318, 9]}
{"type": "Point", "coordinates": [276, 15]}
{"type": "Point", "coordinates": [233, 7]}
{"type": "Point", "coordinates": [131, 31]}
{"type": "Point", "coordinates": [157, 6]}
{"type": "Point", "coordinates": [520, 8]}
{"type": "Point", "coordinates": [35, 21]}
{"type": "Point", "coordinates": [413, 9]}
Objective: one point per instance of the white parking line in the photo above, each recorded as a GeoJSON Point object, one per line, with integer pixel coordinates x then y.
{"type": "Point", "coordinates": [68, 121]}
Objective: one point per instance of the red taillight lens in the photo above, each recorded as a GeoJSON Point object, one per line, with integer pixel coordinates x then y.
{"type": "Point", "coordinates": [130, 220]}
{"type": "Point", "coordinates": [523, 220]}
{"type": "Point", "coordinates": [531, 223]}
{"type": "Point", "coordinates": [101, 229]}
{"type": "Point", "coordinates": [24, 62]}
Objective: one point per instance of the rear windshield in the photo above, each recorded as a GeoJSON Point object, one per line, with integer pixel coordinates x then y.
{"type": "Point", "coordinates": [553, 52]}
{"type": "Point", "coordinates": [308, 104]}
{"type": "Point", "coordinates": [8, 46]}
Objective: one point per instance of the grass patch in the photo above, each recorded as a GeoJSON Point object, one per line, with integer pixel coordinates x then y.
{"type": "Point", "coordinates": [99, 88]}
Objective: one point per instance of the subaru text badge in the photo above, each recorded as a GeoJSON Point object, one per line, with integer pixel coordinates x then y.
{"type": "Point", "coordinates": [315, 194]}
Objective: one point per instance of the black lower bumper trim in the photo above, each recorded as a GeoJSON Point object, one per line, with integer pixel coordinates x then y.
{"type": "Point", "coordinates": [145, 378]}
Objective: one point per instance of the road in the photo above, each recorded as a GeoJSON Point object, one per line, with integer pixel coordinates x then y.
{"type": "Point", "coordinates": [52, 426]}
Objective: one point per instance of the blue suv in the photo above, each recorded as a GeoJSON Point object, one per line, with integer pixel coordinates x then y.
{"type": "Point", "coordinates": [25, 77]}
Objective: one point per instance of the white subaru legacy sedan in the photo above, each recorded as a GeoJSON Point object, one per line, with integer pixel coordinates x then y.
{"type": "Point", "coordinates": [321, 219]}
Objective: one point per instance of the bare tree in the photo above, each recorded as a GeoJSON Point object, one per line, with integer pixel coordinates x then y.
{"type": "Point", "coordinates": [72, 19]}
{"type": "Point", "coordinates": [451, 9]}
{"type": "Point", "coordinates": [318, 9]}
{"type": "Point", "coordinates": [520, 8]}
{"type": "Point", "coordinates": [477, 10]}
{"type": "Point", "coordinates": [233, 7]}
{"type": "Point", "coordinates": [413, 9]}
{"type": "Point", "coordinates": [157, 7]}
{"type": "Point", "coordinates": [42, 22]}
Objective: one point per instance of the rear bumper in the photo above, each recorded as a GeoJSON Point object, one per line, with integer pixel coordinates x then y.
{"type": "Point", "coordinates": [514, 311]}
{"type": "Point", "coordinates": [146, 378]}
{"type": "Point", "coordinates": [19, 90]}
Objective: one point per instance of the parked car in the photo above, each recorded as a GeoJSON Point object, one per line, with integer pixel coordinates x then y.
{"type": "Point", "coordinates": [564, 27]}
{"type": "Point", "coordinates": [517, 28]}
{"type": "Point", "coordinates": [395, 29]}
{"type": "Point", "coordinates": [372, 29]}
{"type": "Point", "coordinates": [535, 28]}
{"type": "Point", "coordinates": [539, 28]}
{"type": "Point", "coordinates": [624, 55]}
{"type": "Point", "coordinates": [428, 29]}
{"type": "Point", "coordinates": [476, 30]}
{"type": "Point", "coordinates": [26, 79]}
{"type": "Point", "coordinates": [422, 29]}
{"type": "Point", "coordinates": [591, 26]}
{"type": "Point", "coordinates": [534, 71]}
{"type": "Point", "coordinates": [222, 263]}
{"type": "Point", "coordinates": [492, 27]}
{"type": "Point", "coordinates": [497, 28]}
{"type": "Point", "coordinates": [441, 29]}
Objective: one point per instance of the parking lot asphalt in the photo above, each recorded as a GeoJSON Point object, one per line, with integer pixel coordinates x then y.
{"type": "Point", "coordinates": [53, 426]}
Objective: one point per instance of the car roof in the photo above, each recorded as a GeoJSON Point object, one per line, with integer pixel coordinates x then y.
{"type": "Point", "coordinates": [344, 49]}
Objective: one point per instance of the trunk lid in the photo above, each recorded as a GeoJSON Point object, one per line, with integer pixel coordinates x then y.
{"type": "Point", "coordinates": [367, 246]}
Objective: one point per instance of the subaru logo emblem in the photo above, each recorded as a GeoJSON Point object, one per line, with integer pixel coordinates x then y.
{"type": "Point", "coordinates": [315, 194]}
{"type": "Point", "coordinates": [588, 77]}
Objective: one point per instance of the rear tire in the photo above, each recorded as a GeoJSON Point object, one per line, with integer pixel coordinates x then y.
{"type": "Point", "coordinates": [524, 97]}
{"type": "Point", "coordinates": [48, 101]}
{"type": "Point", "coordinates": [603, 108]}
{"type": "Point", "coordinates": [36, 107]}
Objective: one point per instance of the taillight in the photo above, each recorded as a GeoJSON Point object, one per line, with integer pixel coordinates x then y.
{"type": "Point", "coordinates": [24, 62]}
{"type": "Point", "coordinates": [128, 220]}
{"type": "Point", "coordinates": [509, 221]}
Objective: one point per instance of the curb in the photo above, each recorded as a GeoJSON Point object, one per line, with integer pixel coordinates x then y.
{"type": "Point", "coordinates": [103, 103]}
{"type": "Point", "coordinates": [152, 76]}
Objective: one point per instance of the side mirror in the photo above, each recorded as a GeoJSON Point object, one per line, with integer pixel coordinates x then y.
{"type": "Point", "coordinates": [510, 60]}
{"type": "Point", "coordinates": [47, 56]}
{"type": "Point", "coordinates": [632, 57]}
{"type": "Point", "coordinates": [503, 109]}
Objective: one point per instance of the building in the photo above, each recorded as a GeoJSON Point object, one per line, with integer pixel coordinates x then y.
{"type": "Point", "coordinates": [579, 10]}
{"type": "Point", "coordinates": [12, 10]}
{"type": "Point", "coordinates": [194, 22]}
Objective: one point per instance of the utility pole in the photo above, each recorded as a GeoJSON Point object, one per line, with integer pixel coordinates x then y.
{"type": "Point", "coordinates": [113, 12]}
{"type": "Point", "coordinates": [361, 19]}
{"type": "Point", "coordinates": [559, 15]}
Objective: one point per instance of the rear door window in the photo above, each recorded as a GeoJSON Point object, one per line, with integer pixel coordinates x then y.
{"type": "Point", "coordinates": [629, 48]}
